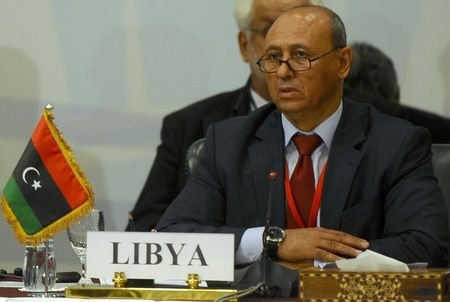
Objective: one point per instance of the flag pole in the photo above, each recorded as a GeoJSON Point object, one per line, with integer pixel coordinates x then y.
{"type": "Point", "coordinates": [46, 279]}
{"type": "Point", "coordinates": [47, 256]}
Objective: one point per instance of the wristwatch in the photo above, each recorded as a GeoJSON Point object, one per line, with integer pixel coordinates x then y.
{"type": "Point", "coordinates": [272, 238]}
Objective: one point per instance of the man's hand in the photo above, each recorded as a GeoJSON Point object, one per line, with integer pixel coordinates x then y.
{"type": "Point", "coordinates": [319, 243]}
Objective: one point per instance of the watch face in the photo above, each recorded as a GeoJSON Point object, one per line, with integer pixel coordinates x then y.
{"type": "Point", "coordinates": [275, 234]}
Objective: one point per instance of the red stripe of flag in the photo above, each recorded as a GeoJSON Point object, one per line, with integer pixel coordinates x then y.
{"type": "Point", "coordinates": [57, 165]}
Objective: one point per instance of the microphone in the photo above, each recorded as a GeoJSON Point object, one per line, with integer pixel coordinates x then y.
{"type": "Point", "coordinates": [271, 177]}
{"type": "Point", "coordinates": [276, 280]}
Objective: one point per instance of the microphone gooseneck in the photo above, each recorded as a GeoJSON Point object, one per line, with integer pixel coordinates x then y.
{"type": "Point", "coordinates": [271, 177]}
{"type": "Point", "coordinates": [265, 277]}
{"type": "Point", "coordinates": [264, 289]}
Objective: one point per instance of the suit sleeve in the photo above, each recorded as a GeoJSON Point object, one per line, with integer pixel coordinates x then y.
{"type": "Point", "coordinates": [162, 184]}
{"type": "Point", "coordinates": [416, 223]}
{"type": "Point", "coordinates": [201, 205]}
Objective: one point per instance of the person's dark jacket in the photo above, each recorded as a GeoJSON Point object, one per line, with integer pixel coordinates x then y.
{"type": "Point", "coordinates": [179, 130]}
{"type": "Point", "coordinates": [379, 183]}
{"type": "Point", "coordinates": [438, 126]}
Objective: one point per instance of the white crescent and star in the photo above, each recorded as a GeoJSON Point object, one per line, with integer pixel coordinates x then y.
{"type": "Point", "coordinates": [36, 184]}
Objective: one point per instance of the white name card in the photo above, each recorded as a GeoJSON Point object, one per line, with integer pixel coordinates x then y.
{"type": "Point", "coordinates": [146, 255]}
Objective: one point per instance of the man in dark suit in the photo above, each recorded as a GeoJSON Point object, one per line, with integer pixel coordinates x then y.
{"type": "Point", "coordinates": [183, 127]}
{"type": "Point", "coordinates": [373, 79]}
{"type": "Point", "coordinates": [372, 174]}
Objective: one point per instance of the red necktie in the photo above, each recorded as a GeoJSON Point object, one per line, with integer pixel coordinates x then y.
{"type": "Point", "coordinates": [302, 179]}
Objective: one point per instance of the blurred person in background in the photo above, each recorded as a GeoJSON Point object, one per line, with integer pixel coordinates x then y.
{"type": "Point", "coordinates": [373, 79]}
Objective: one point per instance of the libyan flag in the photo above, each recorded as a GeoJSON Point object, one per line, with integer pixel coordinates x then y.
{"type": "Point", "coordinates": [47, 190]}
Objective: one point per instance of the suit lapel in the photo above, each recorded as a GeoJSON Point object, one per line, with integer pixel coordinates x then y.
{"type": "Point", "coordinates": [266, 154]}
{"type": "Point", "coordinates": [343, 161]}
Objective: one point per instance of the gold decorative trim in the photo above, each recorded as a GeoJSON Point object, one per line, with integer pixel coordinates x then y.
{"type": "Point", "coordinates": [98, 291]}
{"type": "Point", "coordinates": [74, 215]}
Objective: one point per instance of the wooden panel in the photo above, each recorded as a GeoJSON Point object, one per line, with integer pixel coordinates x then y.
{"type": "Point", "coordinates": [351, 286]}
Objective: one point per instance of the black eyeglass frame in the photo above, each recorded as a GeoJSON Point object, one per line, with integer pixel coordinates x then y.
{"type": "Point", "coordinates": [310, 60]}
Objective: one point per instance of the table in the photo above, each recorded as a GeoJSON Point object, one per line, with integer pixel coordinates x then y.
{"type": "Point", "coordinates": [8, 294]}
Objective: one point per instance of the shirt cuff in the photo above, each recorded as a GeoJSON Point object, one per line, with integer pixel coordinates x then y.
{"type": "Point", "coordinates": [251, 246]}
{"type": "Point", "coordinates": [320, 264]}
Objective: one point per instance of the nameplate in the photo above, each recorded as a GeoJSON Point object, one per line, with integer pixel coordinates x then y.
{"type": "Point", "coordinates": [146, 255]}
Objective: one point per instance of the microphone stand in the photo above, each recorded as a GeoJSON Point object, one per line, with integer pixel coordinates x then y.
{"type": "Point", "coordinates": [265, 290]}
{"type": "Point", "coordinates": [277, 281]}
{"type": "Point", "coordinates": [272, 177]}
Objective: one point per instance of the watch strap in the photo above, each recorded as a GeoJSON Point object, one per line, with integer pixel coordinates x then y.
{"type": "Point", "coordinates": [272, 249]}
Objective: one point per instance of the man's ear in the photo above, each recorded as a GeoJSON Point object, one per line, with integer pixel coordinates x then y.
{"type": "Point", "coordinates": [243, 43]}
{"type": "Point", "coordinates": [345, 62]}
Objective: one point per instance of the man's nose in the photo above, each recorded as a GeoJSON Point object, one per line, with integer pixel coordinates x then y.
{"type": "Point", "coordinates": [284, 70]}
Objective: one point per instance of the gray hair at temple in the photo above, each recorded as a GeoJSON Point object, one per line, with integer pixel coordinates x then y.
{"type": "Point", "coordinates": [337, 29]}
{"type": "Point", "coordinates": [243, 12]}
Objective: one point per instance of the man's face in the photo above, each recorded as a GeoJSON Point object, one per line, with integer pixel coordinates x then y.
{"type": "Point", "coordinates": [251, 43]}
{"type": "Point", "coordinates": [315, 93]}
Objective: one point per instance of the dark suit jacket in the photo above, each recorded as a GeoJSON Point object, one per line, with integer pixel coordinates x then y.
{"type": "Point", "coordinates": [438, 126]}
{"type": "Point", "coordinates": [179, 130]}
{"type": "Point", "coordinates": [379, 183]}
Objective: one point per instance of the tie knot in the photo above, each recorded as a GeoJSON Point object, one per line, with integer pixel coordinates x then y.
{"type": "Point", "coordinates": [306, 144]}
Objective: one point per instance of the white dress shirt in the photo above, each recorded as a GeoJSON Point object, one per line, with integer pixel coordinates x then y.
{"type": "Point", "coordinates": [258, 101]}
{"type": "Point", "coordinates": [251, 245]}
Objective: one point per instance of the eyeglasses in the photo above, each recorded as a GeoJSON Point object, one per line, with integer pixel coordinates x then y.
{"type": "Point", "coordinates": [294, 63]}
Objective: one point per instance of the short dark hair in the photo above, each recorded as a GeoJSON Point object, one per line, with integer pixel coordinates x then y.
{"type": "Point", "coordinates": [339, 35]}
{"type": "Point", "coordinates": [372, 71]}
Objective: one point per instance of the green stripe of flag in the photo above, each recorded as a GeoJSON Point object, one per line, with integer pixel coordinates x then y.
{"type": "Point", "coordinates": [19, 206]}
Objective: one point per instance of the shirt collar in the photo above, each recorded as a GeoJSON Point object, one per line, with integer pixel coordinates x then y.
{"type": "Point", "coordinates": [325, 130]}
{"type": "Point", "coordinates": [258, 101]}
